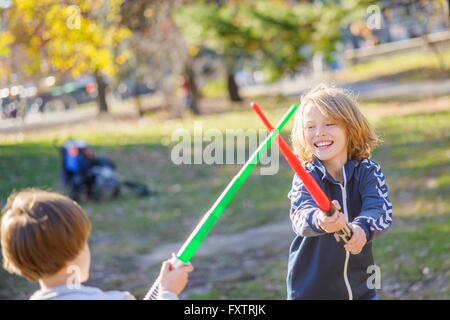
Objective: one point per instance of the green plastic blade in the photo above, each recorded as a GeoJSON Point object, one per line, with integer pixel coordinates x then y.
{"type": "Point", "coordinates": [208, 221]}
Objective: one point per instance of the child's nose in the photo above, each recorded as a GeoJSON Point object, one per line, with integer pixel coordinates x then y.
{"type": "Point", "coordinates": [320, 131]}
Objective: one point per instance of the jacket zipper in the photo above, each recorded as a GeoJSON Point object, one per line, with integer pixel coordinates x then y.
{"type": "Point", "coordinates": [347, 254]}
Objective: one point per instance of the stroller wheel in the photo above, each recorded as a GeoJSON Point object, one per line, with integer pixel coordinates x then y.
{"type": "Point", "coordinates": [95, 195]}
{"type": "Point", "coordinates": [140, 189]}
{"type": "Point", "coordinates": [117, 192]}
{"type": "Point", "coordinates": [144, 193]}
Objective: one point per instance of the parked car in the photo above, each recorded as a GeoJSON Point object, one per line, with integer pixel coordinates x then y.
{"type": "Point", "coordinates": [65, 96]}
{"type": "Point", "coordinates": [129, 88]}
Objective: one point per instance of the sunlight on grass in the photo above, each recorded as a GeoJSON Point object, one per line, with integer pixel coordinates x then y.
{"type": "Point", "coordinates": [395, 65]}
{"type": "Point", "coordinates": [415, 158]}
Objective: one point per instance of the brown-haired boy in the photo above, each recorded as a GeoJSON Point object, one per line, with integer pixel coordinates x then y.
{"type": "Point", "coordinates": [44, 238]}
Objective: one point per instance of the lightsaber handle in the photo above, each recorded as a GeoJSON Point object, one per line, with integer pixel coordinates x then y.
{"type": "Point", "coordinates": [346, 232]}
{"type": "Point", "coordinates": [153, 292]}
{"type": "Point", "coordinates": [311, 185]}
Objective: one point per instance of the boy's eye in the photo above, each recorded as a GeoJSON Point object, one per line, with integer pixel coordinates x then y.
{"type": "Point", "coordinates": [331, 124]}
{"type": "Point", "coordinates": [310, 127]}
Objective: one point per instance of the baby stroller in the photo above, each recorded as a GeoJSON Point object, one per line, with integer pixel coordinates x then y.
{"type": "Point", "coordinates": [86, 175]}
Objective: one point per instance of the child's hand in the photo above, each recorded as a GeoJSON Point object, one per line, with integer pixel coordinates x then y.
{"type": "Point", "coordinates": [357, 241]}
{"type": "Point", "coordinates": [333, 223]}
{"type": "Point", "coordinates": [174, 279]}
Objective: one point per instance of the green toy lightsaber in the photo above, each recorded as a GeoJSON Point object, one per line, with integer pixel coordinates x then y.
{"type": "Point", "coordinates": [208, 221]}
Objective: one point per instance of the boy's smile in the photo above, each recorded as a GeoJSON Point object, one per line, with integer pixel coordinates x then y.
{"type": "Point", "coordinates": [323, 144]}
{"type": "Point", "coordinates": [326, 139]}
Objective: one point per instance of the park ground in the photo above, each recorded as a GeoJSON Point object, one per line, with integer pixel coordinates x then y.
{"type": "Point", "coordinates": [245, 256]}
{"type": "Point", "coordinates": [129, 231]}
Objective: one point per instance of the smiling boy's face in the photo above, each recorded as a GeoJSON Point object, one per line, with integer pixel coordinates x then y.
{"type": "Point", "coordinates": [324, 136]}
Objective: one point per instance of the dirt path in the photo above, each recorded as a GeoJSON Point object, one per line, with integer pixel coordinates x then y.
{"type": "Point", "coordinates": [210, 106]}
{"type": "Point", "coordinates": [279, 232]}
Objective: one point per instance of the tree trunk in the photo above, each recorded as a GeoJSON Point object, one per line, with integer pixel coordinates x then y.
{"type": "Point", "coordinates": [138, 104]}
{"type": "Point", "coordinates": [101, 92]}
{"type": "Point", "coordinates": [233, 89]}
{"type": "Point", "coordinates": [193, 89]}
{"type": "Point", "coordinates": [447, 12]}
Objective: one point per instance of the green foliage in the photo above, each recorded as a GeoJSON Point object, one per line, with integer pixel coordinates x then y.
{"type": "Point", "coordinates": [279, 35]}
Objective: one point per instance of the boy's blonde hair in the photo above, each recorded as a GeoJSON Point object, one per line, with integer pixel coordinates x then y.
{"type": "Point", "coordinates": [41, 232]}
{"type": "Point", "coordinates": [340, 106]}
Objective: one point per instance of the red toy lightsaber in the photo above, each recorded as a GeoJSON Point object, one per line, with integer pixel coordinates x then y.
{"type": "Point", "coordinates": [311, 185]}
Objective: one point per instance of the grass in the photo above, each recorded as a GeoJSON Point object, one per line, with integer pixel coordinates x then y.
{"type": "Point", "coordinates": [407, 67]}
{"type": "Point", "coordinates": [415, 158]}
{"type": "Point", "coordinates": [214, 88]}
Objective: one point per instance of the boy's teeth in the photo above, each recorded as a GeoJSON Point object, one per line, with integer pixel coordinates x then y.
{"type": "Point", "coordinates": [323, 144]}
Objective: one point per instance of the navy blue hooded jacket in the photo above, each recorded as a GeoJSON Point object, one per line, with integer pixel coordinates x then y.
{"type": "Point", "coordinates": [319, 267]}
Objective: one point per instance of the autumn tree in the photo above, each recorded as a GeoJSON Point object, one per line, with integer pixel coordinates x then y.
{"type": "Point", "coordinates": [62, 37]}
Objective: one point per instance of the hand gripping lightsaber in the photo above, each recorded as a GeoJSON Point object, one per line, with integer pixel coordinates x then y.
{"type": "Point", "coordinates": [206, 224]}
{"type": "Point", "coordinates": [311, 185]}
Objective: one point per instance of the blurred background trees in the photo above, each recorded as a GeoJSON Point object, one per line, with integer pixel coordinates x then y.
{"type": "Point", "coordinates": [66, 39]}
{"type": "Point", "coordinates": [161, 55]}
{"type": "Point", "coordinates": [178, 47]}
{"type": "Point", "coordinates": [277, 36]}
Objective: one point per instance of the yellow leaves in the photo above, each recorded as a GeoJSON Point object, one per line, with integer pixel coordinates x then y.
{"type": "Point", "coordinates": [76, 72]}
{"type": "Point", "coordinates": [121, 34]}
{"type": "Point", "coordinates": [123, 57]}
{"type": "Point", "coordinates": [35, 42]}
{"type": "Point", "coordinates": [85, 6]}
{"type": "Point", "coordinates": [60, 62]}
{"type": "Point", "coordinates": [6, 38]}
{"type": "Point", "coordinates": [80, 65]}
{"type": "Point", "coordinates": [79, 36]}
{"type": "Point", "coordinates": [23, 5]}
{"type": "Point", "coordinates": [33, 63]}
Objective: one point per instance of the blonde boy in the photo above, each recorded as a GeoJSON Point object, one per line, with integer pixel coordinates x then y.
{"type": "Point", "coordinates": [334, 141]}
